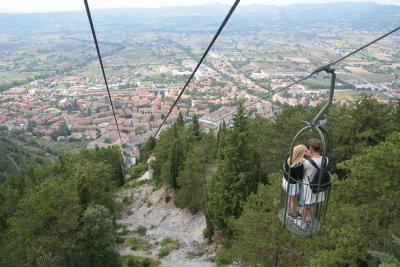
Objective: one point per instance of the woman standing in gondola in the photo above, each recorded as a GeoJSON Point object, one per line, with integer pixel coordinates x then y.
{"type": "Point", "coordinates": [290, 183]}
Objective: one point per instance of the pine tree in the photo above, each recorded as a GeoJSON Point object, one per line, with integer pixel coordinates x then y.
{"type": "Point", "coordinates": [221, 140]}
{"type": "Point", "coordinates": [96, 244]}
{"type": "Point", "coordinates": [180, 122]}
{"type": "Point", "coordinates": [191, 181]}
{"type": "Point", "coordinates": [173, 161]}
{"type": "Point", "coordinates": [41, 211]}
{"type": "Point", "coordinates": [354, 128]}
{"type": "Point", "coordinates": [258, 234]}
{"type": "Point", "coordinates": [364, 208]}
{"type": "Point", "coordinates": [146, 148]}
{"type": "Point", "coordinates": [237, 174]}
{"type": "Point", "coordinates": [196, 127]}
{"type": "Point", "coordinates": [173, 167]}
{"type": "Point", "coordinates": [43, 227]}
{"type": "Point", "coordinates": [362, 217]}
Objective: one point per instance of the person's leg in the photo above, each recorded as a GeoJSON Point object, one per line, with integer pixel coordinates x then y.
{"type": "Point", "coordinates": [304, 215]}
{"type": "Point", "coordinates": [301, 199]}
{"type": "Point", "coordinates": [312, 210]}
{"type": "Point", "coordinates": [295, 207]}
{"type": "Point", "coordinates": [292, 199]}
{"type": "Point", "coordinates": [290, 205]}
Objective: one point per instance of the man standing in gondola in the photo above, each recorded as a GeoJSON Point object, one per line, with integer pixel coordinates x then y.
{"type": "Point", "coordinates": [311, 168]}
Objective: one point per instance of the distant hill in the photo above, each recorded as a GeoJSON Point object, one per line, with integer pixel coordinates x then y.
{"type": "Point", "coordinates": [26, 151]}
{"type": "Point", "coordinates": [247, 19]}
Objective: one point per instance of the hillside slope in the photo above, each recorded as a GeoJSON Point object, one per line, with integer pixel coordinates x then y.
{"type": "Point", "coordinates": [164, 221]}
{"type": "Point", "coordinates": [26, 151]}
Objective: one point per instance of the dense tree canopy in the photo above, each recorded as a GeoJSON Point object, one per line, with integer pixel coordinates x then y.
{"type": "Point", "coordinates": [243, 185]}
{"type": "Point", "coordinates": [62, 214]}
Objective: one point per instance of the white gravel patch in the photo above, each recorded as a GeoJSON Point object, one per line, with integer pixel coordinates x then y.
{"type": "Point", "coordinates": [163, 219]}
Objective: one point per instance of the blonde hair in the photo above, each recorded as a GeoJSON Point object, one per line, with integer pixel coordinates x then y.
{"type": "Point", "coordinates": [298, 154]}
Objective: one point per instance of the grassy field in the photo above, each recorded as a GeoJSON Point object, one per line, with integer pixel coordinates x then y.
{"type": "Point", "coordinates": [261, 57]}
{"type": "Point", "coordinates": [377, 77]}
{"type": "Point", "coordinates": [298, 59]}
{"type": "Point", "coordinates": [357, 70]}
{"type": "Point", "coordinates": [350, 95]}
{"type": "Point", "coordinates": [383, 56]}
{"type": "Point", "coordinates": [317, 83]}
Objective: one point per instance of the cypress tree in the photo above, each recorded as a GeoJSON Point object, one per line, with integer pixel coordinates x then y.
{"type": "Point", "coordinates": [221, 140]}
{"type": "Point", "coordinates": [180, 122]}
{"type": "Point", "coordinates": [196, 127]}
{"type": "Point", "coordinates": [173, 160]}
{"type": "Point", "coordinates": [237, 173]}
{"type": "Point", "coordinates": [173, 168]}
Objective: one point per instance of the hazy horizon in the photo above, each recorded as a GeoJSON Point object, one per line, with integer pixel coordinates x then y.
{"type": "Point", "coordinates": [39, 6]}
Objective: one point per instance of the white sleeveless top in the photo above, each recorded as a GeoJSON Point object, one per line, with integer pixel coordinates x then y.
{"type": "Point", "coordinates": [309, 172]}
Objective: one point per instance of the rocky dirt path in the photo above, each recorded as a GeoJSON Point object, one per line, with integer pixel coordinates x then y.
{"type": "Point", "coordinates": [150, 208]}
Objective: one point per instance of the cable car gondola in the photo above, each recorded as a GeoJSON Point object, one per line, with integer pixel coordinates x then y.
{"type": "Point", "coordinates": [321, 189]}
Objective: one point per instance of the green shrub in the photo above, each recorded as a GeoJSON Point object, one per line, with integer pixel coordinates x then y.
{"type": "Point", "coordinates": [138, 170]}
{"type": "Point", "coordinates": [136, 244]}
{"type": "Point", "coordinates": [127, 200]}
{"type": "Point", "coordinates": [140, 244]}
{"type": "Point", "coordinates": [166, 241]}
{"type": "Point", "coordinates": [223, 259]}
{"type": "Point", "coordinates": [133, 263]}
{"type": "Point", "coordinates": [129, 261]}
{"type": "Point", "coordinates": [134, 184]}
{"type": "Point", "coordinates": [205, 232]}
{"type": "Point", "coordinates": [119, 240]}
{"type": "Point", "coordinates": [164, 251]}
{"type": "Point", "coordinates": [146, 262]}
{"type": "Point", "coordinates": [124, 231]}
{"type": "Point", "coordinates": [171, 243]}
{"type": "Point", "coordinates": [167, 245]}
{"type": "Point", "coordinates": [141, 230]}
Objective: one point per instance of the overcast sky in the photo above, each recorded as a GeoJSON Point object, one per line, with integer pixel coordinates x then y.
{"type": "Point", "coordinates": [61, 5]}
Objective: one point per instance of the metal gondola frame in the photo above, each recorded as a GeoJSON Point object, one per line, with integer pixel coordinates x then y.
{"type": "Point", "coordinates": [314, 124]}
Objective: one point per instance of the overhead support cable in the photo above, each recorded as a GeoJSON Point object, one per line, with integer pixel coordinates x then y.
{"type": "Point", "coordinates": [243, 108]}
{"type": "Point", "coordinates": [326, 68]}
{"type": "Point", "coordinates": [101, 65]}
{"type": "Point", "coordinates": [221, 27]}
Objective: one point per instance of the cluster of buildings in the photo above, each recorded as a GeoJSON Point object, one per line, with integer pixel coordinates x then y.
{"type": "Point", "coordinates": [74, 108]}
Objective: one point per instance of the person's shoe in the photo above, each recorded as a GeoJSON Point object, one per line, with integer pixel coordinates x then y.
{"type": "Point", "coordinates": [300, 224]}
{"type": "Point", "coordinates": [291, 217]}
{"type": "Point", "coordinates": [298, 215]}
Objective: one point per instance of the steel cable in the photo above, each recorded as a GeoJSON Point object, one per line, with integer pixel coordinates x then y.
{"type": "Point", "coordinates": [101, 65]}
{"type": "Point", "coordinates": [320, 69]}
{"type": "Point", "coordinates": [221, 27]}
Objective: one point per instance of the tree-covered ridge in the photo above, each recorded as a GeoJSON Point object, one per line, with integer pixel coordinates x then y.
{"type": "Point", "coordinates": [184, 164]}
{"type": "Point", "coordinates": [363, 215]}
{"type": "Point", "coordinates": [233, 176]}
{"type": "Point", "coordinates": [18, 151]}
{"type": "Point", "coordinates": [62, 214]}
